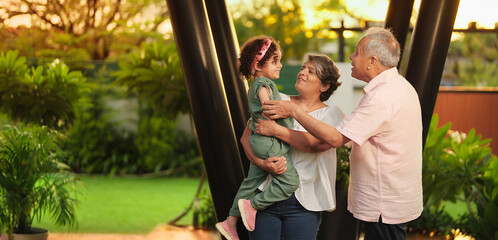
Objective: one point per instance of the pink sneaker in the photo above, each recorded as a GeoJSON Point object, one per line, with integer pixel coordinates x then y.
{"type": "Point", "coordinates": [226, 231]}
{"type": "Point", "coordinates": [247, 213]}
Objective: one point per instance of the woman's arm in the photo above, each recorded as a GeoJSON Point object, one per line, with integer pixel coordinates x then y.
{"type": "Point", "coordinates": [276, 109]}
{"type": "Point", "coordinates": [275, 165]}
{"type": "Point", "coordinates": [298, 139]}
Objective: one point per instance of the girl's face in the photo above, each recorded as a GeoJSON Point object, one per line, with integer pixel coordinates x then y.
{"type": "Point", "coordinates": [307, 80]}
{"type": "Point", "coordinates": [272, 67]}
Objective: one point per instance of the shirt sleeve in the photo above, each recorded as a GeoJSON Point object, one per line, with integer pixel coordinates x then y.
{"type": "Point", "coordinates": [333, 116]}
{"type": "Point", "coordinates": [367, 120]}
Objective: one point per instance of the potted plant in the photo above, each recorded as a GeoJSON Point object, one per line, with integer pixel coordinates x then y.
{"type": "Point", "coordinates": [33, 181]}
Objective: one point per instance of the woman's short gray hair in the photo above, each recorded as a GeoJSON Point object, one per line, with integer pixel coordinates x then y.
{"type": "Point", "coordinates": [383, 45]}
{"type": "Point", "coordinates": [326, 71]}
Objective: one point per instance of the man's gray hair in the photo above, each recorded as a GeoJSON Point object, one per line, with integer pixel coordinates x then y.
{"type": "Point", "coordinates": [383, 45]}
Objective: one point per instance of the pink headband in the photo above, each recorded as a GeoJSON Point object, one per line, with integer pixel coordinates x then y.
{"type": "Point", "coordinates": [261, 53]}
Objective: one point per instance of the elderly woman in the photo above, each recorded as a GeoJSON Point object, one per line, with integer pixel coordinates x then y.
{"type": "Point", "coordinates": [299, 216]}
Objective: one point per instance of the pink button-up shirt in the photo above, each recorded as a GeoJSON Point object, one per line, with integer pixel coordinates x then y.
{"type": "Point", "coordinates": [386, 158]}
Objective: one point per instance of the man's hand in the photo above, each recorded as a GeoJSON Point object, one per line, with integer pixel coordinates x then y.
{"type": "Point", "coordinates": [265, 127]}
{"type": "Point", "coordinates": [276, 109]}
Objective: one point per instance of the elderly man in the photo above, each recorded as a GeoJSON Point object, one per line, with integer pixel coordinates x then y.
{"type": "Point", "coordinates": [385, 190]}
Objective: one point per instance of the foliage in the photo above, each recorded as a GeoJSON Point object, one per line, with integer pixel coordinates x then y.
{"type": "Point", "coordinates": [42, 95]}
{"type": "Point", "coordinates": [474, 59]}
{"type": "Point", "coordinates": [433, 222]}
{"type": "Point", "coordinates": [33, 179]}
{"type": "Point", "coordinates": [98, 25]}
{"type": "Point", "coordinates": [287, 23]}
{"type": "Point", "coordinates": [156, 75]}
{"type": "Point", "coordinates": [204, 210]}
{"type": "Point", "coordinates": [161, 146]}
{"type": "Point", "coordinates": [460, 167]}
{"type": "Point", "coordinates": [75, 58]}
{"type": "Point", "coordinates": [95, 143]}
{"type": "Point", "coordinates": [343, 165]}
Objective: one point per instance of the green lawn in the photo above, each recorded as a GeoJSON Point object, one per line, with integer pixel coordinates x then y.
{"type": "Point", "coordinates": [128, 204]}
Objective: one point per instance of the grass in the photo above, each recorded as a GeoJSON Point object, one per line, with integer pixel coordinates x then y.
{"type": "Point", "coordinates": [128, 204]}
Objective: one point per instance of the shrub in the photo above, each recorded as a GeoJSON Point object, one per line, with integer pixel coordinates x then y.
{"type": "Point", "coordinates": [45, 95]}
{"type": "Point", "coordinates": [459, 167]}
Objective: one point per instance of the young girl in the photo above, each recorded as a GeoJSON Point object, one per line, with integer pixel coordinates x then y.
{"type": "Point", "coordinates": [260, 58]}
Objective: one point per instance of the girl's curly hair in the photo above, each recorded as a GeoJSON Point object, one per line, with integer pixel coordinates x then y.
{"type": "Point", "coordinates": [249, 50]}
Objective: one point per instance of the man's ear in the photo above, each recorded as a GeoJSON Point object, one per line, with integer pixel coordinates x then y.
{"type": "Point", "coordinates": [371, 62]}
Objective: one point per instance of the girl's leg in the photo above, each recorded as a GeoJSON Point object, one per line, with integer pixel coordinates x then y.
{"type": "Point", "coordinates": [281, 187]}
{"type": "Point", "coordinates": [248, 188]}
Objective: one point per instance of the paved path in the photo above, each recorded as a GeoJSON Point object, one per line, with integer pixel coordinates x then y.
{"type": "Point", "coordinates": [162, 232]}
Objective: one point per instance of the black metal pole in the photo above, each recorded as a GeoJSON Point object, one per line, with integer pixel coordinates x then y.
{"type": "Point", "coordinates": [398, 17]}
{"type": "Point", "coordinates": [340, 34]}
{"type": "Point", "coordinates": [227, 49]}
{"type": "Point", "coordinates": [208, 101]}
{"type": "Point", "coordinates": [429, 47]}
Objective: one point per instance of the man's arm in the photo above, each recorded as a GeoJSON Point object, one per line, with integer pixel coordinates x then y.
{"type": "Point", "coordinates": [276, 109]}
{"type": "Point", "coordinates": [275, 165]}
{"type": "Point", "coordinates": [298, 139]}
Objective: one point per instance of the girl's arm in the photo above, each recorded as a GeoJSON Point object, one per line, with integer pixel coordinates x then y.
{"type": "Point", "coordinates": [300, 140]}
{"type": "Point", "coordinates": [275, 165]}
{"type": "Point", "coordinates": [263, 94]}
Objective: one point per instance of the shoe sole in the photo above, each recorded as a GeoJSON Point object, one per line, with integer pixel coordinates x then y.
{"type": "Point", "coordinates": [240, 203]}
{"type": "Point", "coordinates": [222, 231]}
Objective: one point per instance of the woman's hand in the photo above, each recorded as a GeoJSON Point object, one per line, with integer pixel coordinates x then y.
{"type": "Point", "coordinates": [266, 127]}
{"type": "Point", "coordinates": [275, 165]}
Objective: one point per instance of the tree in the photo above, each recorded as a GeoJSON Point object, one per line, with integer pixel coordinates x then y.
{"type": "Point", "coordinates": [474, 60]}
{"type": "Point", "coordinates": [90, 24]}
{"type": "Point", "coordinates": [285, 21]}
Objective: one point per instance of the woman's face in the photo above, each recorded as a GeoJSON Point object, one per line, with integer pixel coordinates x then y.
{"type": "Point", "coordinates": [307, 80]}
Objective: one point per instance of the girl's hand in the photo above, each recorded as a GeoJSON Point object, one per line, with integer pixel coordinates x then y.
{"type": "Point", "coordinates": [266, 127]}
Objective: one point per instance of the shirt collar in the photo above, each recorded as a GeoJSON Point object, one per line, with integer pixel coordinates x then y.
{"type": "Point", "coordinates": [380, 79]}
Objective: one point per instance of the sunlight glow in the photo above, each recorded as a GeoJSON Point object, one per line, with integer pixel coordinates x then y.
{"type": "Point", "coordinates": [312, 18]}
{"type": "Point", "coordinates": [373, 10]}
{"type": "Point", "coordinates": [481, 11]}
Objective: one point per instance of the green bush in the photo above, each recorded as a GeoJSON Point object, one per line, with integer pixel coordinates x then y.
{"type": "Point", "coordinates": [204, 214]}
{"type": "Point", "coordinates": [45, 95]}
{"type": "Point", "coordinates": [155, 75]}
{"type": "Point", "coordinates": [95, 144]}
{"type": "Point", "coordinates": [459, 167]}
{"type": "Point", "coordinates": [162, 147]}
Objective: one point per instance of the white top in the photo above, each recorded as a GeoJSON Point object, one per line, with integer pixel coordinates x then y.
{"type": "Point", "coordinates": [386, 158]}
{"type": "Point", "coordinates": [317, 171]}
